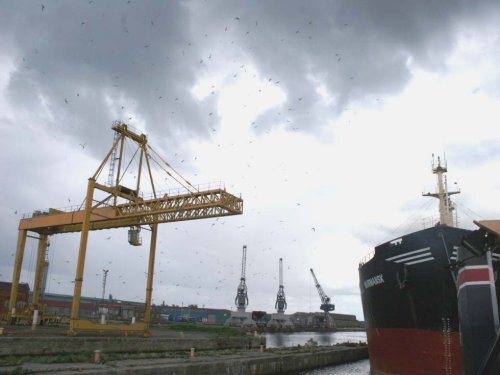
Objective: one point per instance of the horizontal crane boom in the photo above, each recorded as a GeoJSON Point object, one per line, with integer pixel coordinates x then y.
{"type": "Point", "coordinates": [198, 205]}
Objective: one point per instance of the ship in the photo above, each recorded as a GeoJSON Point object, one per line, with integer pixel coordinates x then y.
{"type": "Point", "coordinates": [428, 306]}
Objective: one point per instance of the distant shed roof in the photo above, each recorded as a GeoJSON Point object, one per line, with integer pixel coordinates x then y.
{"type": "Point", "coordinates": [6, 286]}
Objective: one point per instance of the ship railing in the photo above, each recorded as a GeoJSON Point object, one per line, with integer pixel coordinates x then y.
{"type": "Point", "coordinates": [366, 258]}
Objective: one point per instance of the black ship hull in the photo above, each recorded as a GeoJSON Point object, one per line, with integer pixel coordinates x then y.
{"type": "Point", "coordinates": [409, 296]}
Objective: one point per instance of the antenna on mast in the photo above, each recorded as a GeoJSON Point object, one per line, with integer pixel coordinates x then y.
{"type": "Point", "coordinates": [446, 206]}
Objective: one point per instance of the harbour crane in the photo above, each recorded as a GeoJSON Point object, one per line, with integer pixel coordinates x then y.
{"type": "Point", "coordinates": [280, 304]}
{"type": "Point", "coordinates": [111, 204]}
{"type": "Point", "coordinates": [241, 300]}
{"type": "Point", "coordinates": [326, 306]}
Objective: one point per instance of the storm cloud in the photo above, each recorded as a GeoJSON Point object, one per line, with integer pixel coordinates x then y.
{"type": "Point", "coordinates": [312, 158]}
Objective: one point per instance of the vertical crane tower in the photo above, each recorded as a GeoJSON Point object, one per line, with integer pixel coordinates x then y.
{"type": "Point", "coordinates": [326, 306]}
{"type": "Point", "coordinates": [279, 320]}
{"type": "Point", "coordinates": [120, 206]}
{"type": "Point", "coordinates": [241, 300]}
{"type": "Point", "coordinates": [280, 304]}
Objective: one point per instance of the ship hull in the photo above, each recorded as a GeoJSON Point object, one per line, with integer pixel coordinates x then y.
{"type": "Point", "coordinates": [414, 351]}
{"type": "Point", "coordinates": [409, 301]}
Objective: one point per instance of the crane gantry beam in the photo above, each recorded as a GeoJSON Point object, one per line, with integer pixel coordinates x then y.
{"type": "Point", "coordinates": [121, 207]}
{"type": "Point", "coordinates": [191, 206]}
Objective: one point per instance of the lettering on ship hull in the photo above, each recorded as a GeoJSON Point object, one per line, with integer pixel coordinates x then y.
{"type": "Point", "coordinates": [372, 281]}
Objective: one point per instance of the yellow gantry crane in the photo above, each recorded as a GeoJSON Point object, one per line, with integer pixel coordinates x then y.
{"type": "Point", "coordinates": [120, 206]}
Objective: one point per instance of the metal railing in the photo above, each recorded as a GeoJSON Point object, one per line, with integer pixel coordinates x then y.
{"type": "Point", "coordinates": [215, 185]}
{"type": "Point", "coordinates": [366, 258]}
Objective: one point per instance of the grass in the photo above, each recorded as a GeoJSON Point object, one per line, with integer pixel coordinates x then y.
{"type": "Point", "coordinates": [87, 357]}
{"type": "Point", "coordinates": [216, 330]}
{"type": "Point", "coordinates": [60, 358]}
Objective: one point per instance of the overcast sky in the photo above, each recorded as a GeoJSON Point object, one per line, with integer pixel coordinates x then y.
{"type": "Point", "coordinates": [323, 115]}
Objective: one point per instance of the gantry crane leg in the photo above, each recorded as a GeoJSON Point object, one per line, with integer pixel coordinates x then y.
{"type": "Point", "coordinates": [149, 286]}
{"type": "Point", "coordinates": [128, 208]}
{"type": "Point", "coordinates": [16, 274]}
{"type": "Point", "coordinates": [81, 258]}
{"type": "Point", "coordinates": [42, 248]}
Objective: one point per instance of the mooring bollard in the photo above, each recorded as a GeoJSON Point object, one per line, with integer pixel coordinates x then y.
{"type": "Point", "coordinates": [97, 356]}
{"type": "Point", "coordinates": [191, 354]}
{"type": "Point", "coordinates": [35, 319]}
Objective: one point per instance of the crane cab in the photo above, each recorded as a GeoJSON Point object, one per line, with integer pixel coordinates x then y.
{"type": "Point", "coordinates": [134, 236]}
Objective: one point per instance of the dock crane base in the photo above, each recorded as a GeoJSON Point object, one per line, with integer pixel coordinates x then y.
{"type": "Point", "coordinates": [280, 320]}
{"type": "Point", "coordinates": [240, 319]}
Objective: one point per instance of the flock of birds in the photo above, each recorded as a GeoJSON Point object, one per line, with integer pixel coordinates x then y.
{"type": "Point", "coordinates": [239, 27]}
{"type": "Point", "coordinates": [228, 275]}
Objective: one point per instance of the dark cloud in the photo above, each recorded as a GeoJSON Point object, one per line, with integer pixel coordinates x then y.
{"type": "Point", "coordinates": [360, 50]}
{"type": "Point", "coordinates": [92, 63]}
{"type": "Point", "coordinates": [79, 65]}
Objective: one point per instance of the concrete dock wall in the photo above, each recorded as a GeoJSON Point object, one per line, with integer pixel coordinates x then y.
{"type": "Point", "coordinates": [247, 363]}
{"type": "Point", "coordinates": [274, 364]}
{"type": "Point", "coordinates": [59, 345]}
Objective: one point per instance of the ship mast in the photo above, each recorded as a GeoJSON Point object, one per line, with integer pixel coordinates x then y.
{"type": "Point", "coordinates": [446, 206]}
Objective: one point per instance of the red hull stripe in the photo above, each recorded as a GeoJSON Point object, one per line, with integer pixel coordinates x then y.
{"type": "Point", "coordinates": [475, 275]}
{"type": "Point", "coordinates": [398, 351]}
